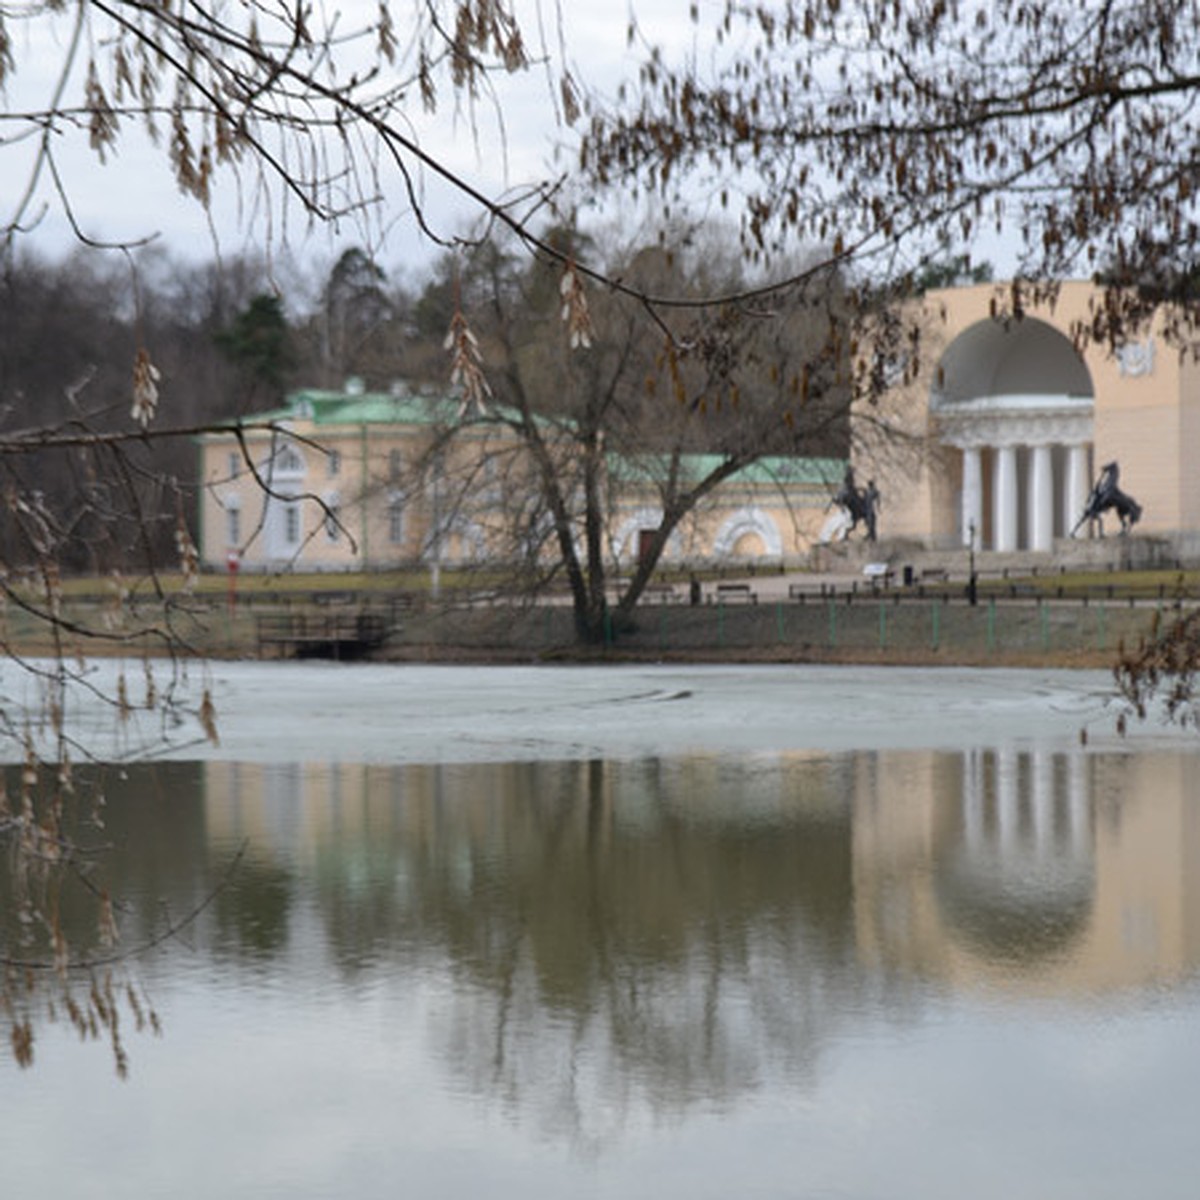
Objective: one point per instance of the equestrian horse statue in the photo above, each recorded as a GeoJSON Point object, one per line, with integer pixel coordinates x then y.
{"type": "Point", "coordinates": [1107, 495]}
{"type": "Point", "coordinates": [856, 504]}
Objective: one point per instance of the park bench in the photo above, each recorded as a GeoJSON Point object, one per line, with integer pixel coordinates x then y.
{"type": "Point", "coordinates": [331, 598]}
{"type": "Point", "coordinates": [664, 593]}
{"type": "Point", "coordinates": [736, 592]}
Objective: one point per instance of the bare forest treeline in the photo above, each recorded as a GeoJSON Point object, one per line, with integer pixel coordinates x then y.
{"type": "Point", "coordinates": [227, 340]}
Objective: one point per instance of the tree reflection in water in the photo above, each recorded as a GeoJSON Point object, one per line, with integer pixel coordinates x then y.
{"type": "Point", "coordinates": [72, 927]}
{"type": "Point", "coordinates": [614, 942]}
{"type": "Point", "coordinates": [613, 937]}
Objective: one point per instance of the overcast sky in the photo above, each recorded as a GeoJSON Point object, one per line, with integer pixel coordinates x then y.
{"type": "Point", "coordinates": [134, 195]}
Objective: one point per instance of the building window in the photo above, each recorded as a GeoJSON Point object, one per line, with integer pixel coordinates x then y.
{"type": "Point", "coordinates": [395, 465]}
{"type": "Point", "coordinates": [395, 519]}
{"type": "Point", "coordinates": [291, 523]}
{"type": "Point", "coordinates": [334, 461]}
{"type": "Point", "coordinates": [333, 518]}
{"type": "Point", "coordinates": [233, 525]}
{"type": "Point", "coordinates": [235, 464]}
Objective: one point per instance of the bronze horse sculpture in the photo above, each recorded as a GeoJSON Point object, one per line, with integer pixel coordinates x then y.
{"type": "Point", "coordinates": [1106, 496]}
{"type": "Point", "coordinates": [860, 504]}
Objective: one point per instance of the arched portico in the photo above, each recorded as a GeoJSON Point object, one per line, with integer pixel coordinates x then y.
{"type": "Point", "coordinates": [1016, 400]}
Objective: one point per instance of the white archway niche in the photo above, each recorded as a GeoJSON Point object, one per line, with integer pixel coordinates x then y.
{"type": "Point", "coordinates": [624, 541]}
{"type": "Point", "coordinates": [748, 521]}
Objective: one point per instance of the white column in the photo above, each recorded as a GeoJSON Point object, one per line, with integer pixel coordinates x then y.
{"type": "Point", "coordinates": [1076, 485]}
{"type": "Point", "coordinates": [1079, 804]}
{"type": "Point", "coordinates": [1041, 498]}
{"type": "Point", "coordinates": [972, 493]}
{"type": "Point", "coordinates": [973, 794]}
{"type": "Point", "coordinates": [1004, 498]}
{"type": "Point", "coordinates": [1042, 803]}
{"type": "Point", "coordinates": [1008, 803]}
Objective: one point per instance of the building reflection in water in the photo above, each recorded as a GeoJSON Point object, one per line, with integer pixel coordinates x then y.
{"type": "Point", "coordinates": [671, 931]}
{"type": "Point", "coordinates": [1042, 873]}
{"type": "Point", "coordinates": [778, 960]}
{"type": "Point", "coordinates": [1031, 870]}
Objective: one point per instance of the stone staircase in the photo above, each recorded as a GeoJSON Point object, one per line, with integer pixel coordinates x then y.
{"type": "Point", "coordinates": [1113, 553]}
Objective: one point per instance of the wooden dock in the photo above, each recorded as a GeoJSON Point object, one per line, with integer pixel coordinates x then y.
{"type": "Point", "coordinates": [338, 635]}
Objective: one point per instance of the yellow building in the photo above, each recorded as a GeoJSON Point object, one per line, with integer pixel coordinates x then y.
{"type": "Point", "coordinates": [364, 480]}
{"type": "Point", "coordinates": [334, 481]}
{"type": "Point", "coordinates": [1016, 418]}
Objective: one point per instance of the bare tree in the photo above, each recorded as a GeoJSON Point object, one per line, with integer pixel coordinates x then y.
{"type": "Point", "coordinates": [1062, 138]}
{"type": "Point", "coordinates": [899, 132]}
{"type": "Point", "coordinates": [355, 312]}
{"type": "Point", "coordinates": [87, 486]}
{"type": "Point", "coordinates": [584, 386]}
{"type": "Point", "coordinates": [304, 114]}
{"type": "Point", "coordinates": [305, 108]}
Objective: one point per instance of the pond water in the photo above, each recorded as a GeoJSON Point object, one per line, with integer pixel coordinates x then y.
{"type": "Point", "coordinates": [492, 943]}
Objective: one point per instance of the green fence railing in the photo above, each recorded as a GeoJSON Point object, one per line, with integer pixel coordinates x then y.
{"type": "Point", "coordinates": [842, 626]}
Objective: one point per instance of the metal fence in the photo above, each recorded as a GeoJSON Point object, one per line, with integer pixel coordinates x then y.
{"type": "Point", "coordinates": [884, 626]}
{"type": "Point", "coordinates": [888, 625]}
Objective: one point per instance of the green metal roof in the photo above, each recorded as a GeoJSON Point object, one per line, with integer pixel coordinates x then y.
{"type": "Point", "coordinates": [773, 469]}
{"type": "Point", "coordinates": [406, 406]}
{"type": "Point", "coordinates": [397, 407]}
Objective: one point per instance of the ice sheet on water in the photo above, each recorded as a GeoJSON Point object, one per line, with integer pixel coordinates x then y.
{"type": "Point", "coordinates": [416, 713]}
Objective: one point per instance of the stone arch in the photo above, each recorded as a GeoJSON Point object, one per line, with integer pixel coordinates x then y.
{"type": "Point", "coordinates": [1016, 399]}
{"type": "Point", "coordinates": [747, 521]}
{"type": "Point", "coordinates": [991, 360]}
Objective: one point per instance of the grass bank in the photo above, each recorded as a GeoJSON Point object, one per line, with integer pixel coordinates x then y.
{"type": "Point", "coordinates": [1067, 621]}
